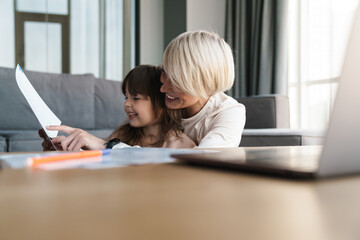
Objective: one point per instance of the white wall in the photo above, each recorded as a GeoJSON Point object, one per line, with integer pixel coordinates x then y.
{"type": "Point", "coordinates": [151, 31]}
{"type": "Point", "coordinates": [201, 15]}
{"type": "Point", "coordinates": [206, 15]}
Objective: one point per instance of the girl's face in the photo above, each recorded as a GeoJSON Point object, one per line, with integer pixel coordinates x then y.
{"type": "Point", "coordinates": [139, 110]}
{"type": "Point", "coordinates": [178, 100]}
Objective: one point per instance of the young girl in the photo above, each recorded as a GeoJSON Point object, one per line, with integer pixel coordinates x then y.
{"type": "Point", "coordinates": [150, 122]}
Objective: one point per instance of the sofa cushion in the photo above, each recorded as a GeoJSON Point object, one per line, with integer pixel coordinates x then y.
{"type": "Point", "coordinates": [65, 94]}
{"type": "Point", "coordinates": [23, 141]}
{"type": "Point", "coordinates": [281, 137]}
{"type": "Point", "coordinates": [266, 111]}
{"type": "Point", "coordinates": [109, 104]}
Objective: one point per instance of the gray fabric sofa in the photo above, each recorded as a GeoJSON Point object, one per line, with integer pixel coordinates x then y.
{"type": "Point", "coordinates": [81, 101]}
{"type": "Point", "coordinates": [268, 122]}
{"type": "Point", "coordinates": [96, 105]}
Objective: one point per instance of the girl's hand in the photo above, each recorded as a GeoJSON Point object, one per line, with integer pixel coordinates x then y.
{"type": "Point", "coordinates": [78, 139]}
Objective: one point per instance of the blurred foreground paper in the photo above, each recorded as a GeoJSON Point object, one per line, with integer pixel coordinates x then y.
{"type": "Point", "coordinates": [42, 112]}
{"type": "Point", "coordinates": [121, 157]}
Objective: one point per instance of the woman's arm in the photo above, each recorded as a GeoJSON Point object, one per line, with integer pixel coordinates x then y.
{"type": "Point", "coordinates": [182, 141]}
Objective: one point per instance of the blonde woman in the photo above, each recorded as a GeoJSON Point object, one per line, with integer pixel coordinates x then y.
{"type": "Point", "coordinates": [198, 68]}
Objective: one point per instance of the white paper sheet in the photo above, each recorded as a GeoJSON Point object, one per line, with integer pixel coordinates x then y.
{"type": "Point", "coordinates": [42, 112]}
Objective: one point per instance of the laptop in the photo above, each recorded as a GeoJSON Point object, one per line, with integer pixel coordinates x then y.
{"type": "Point", "coordinates": [340, 153]}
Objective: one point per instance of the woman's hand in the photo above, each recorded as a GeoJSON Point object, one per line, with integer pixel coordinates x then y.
{"type": "Point", "coordinates": [78, 139]}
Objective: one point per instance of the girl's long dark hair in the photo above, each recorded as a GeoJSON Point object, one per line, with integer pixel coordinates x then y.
{"type": "Point", "coordinates": [145, 80]}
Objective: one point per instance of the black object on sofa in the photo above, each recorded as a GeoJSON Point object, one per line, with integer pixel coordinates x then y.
{"type": "Point", "coordinates": [80, 101]}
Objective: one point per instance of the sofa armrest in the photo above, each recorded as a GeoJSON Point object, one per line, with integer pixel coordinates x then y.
{"type": "Point", "coordinates": [266, 111]}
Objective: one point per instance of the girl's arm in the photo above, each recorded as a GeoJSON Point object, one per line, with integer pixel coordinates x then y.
{"type": "Point", "coordinates": [77, 139]}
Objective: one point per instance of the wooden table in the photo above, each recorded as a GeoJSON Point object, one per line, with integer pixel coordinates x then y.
{"type": "Point", "coordinates": [174, 201]}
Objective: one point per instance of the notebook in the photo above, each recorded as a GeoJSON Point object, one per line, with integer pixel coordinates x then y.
{"type": "Point", "coordinates": [340, 153]}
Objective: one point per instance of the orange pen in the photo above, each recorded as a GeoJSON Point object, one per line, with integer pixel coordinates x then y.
{"type": "Point", "coordinates": [67, 156]}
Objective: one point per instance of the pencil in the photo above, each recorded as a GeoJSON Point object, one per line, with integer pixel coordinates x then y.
{"type": "Point", "coordinates": [67, 156]}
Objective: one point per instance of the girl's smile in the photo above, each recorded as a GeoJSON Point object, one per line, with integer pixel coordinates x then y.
{"type": "Point", "coordinates": [131, 115]}
{"type": "Point", "coordinates": [139, 110]}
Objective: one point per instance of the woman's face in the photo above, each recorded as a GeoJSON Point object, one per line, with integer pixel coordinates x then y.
{"type": "Point", "coordinates": [179, 100]}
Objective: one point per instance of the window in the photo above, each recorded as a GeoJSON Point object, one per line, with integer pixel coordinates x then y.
{"type": "Point", "coordinates": [318, 35]}
{"type": "Point", "coordinates": [76, 36]}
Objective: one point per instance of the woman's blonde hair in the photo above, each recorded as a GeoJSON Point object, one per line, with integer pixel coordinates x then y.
{"type": "Point", "coordinates": [199, 63]}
